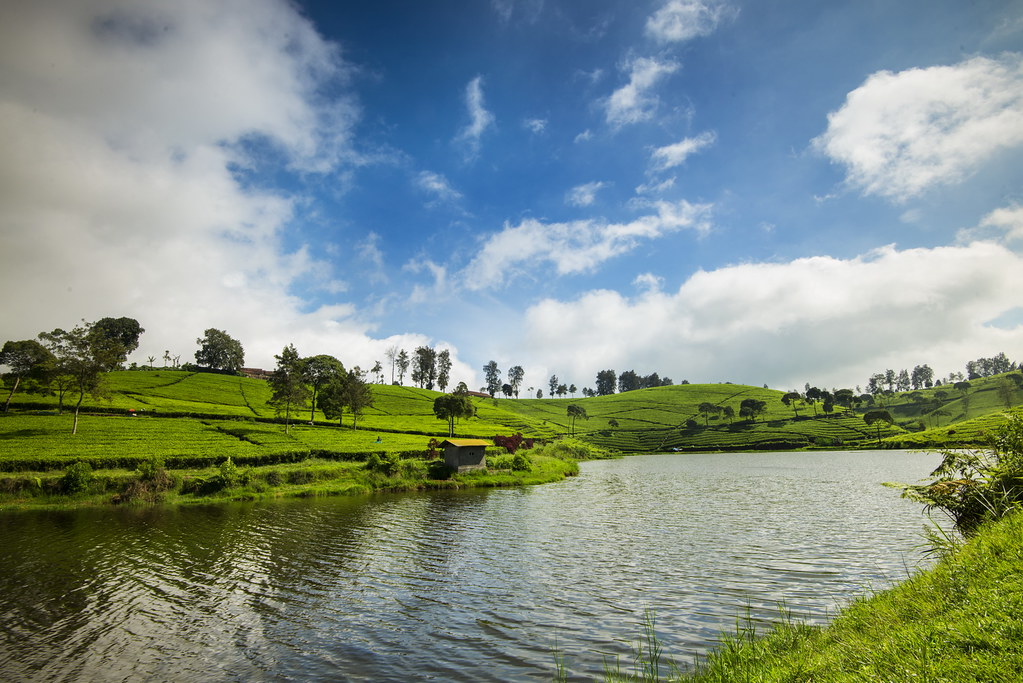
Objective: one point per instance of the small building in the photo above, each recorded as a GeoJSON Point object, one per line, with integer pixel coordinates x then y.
{"type": "Point", "coordinates": [463, 455]}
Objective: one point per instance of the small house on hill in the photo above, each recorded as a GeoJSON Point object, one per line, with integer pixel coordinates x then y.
{"type": "Point", "coordinates": [465, 454]}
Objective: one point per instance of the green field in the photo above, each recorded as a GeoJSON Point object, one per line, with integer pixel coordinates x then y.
{"type": "Point", "coordinates": [194, 421]}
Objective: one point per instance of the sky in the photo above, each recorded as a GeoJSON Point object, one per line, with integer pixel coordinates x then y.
{"type": "Point", "coordinates": [769, 193]}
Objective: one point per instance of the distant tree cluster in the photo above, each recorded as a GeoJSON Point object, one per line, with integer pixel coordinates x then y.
{"type": "Point", "coordinates": [629, 380]}
{"type": "Point", "coordinates": [922, 376]}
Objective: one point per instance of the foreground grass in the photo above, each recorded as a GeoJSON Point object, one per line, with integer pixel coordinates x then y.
{"type": "Point", "coordinates": [962, 620]}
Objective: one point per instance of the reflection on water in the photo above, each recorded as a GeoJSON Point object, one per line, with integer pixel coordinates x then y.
{"type": "Point", "coordinates": [460, 586]}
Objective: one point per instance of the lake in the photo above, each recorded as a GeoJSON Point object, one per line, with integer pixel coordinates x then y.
{"type": "Point", "coordinates": [454, 586]}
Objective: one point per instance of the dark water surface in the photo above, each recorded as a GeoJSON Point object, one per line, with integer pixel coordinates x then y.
{"type": "Point", "coordinates": [472, 586]}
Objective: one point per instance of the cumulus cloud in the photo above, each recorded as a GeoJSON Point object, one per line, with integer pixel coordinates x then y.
{"type": "Point", "coordinates": [1003, 224]}
{"type": "Point", "coordinates": [635, 101]}
{"type": "Point", "coordinates": [479, 119]}
{"type": "Point", "coordinates": [825, 320]}
{"type": "Point", "coordinates": [535, 126]}
{"type": "Point", "coordinates": [575, 246]}
{"type": "Point", "coordinates": [126, 133]}
{"type": "Point", "coordinates": [900, 134]}
{"type": "Point", "coordinates": [674, 155]}
{"type": "Point", "coordinates": [584, 195]}
{"type": "Point", "coordinates": [678, 21]}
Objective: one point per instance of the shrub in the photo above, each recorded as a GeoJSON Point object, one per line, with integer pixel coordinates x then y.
{"type": "Point", "coordinates": [521, 463]}
{"type": "Point", "coordinates": [973, 487]}
{"type": "Point", "coordinates": [77, 478]}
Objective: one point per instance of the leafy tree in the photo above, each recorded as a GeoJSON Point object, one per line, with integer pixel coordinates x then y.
{"type": "Point", "coordinates": [539, 393]}
{"type": "Point", "coordinates": [562, 390]}
{"type": "Point", "coordinates": [350, 392]}
{"type": "Point", "coordinates": [424, 367]}
{"type": "Point", "coordinates": [628, 381]}
{"type": "Point", "coordinates": [844, 397]}
{"type": "Point", "coordinates": [813, 394]}
{"type": "Point", "coordinates": [403, 362]}
{"type": "Point", "coordinates": [378, 372]}
{"type": "Point", "coordinates": [922, 377]}
{"type": "Point", "coordinates": [318, 372]}
{"type": "Point", "coordinates": [219, 351]}
{"type": "Point", "coordinates": [792, 399]}
{"type": "Point", "coordinates": [750, 408]}
{"type": "Point", "coordinates": [492, 376]}
{"type": "Point", "coordinates": [729, 413]}
{"type": "Point", "coordinates": [903, 383]}
{"type": "Point", "coordinates": [123, 331]}
{"type": "Point", "coordinates": [443, 369]}
{"type": "Point", "coordinates": [515, 375]}
{"type": "Point", "coordinates": [506, 389]}
{"type": "Point", "coordinates": [81, 357]}
{"type": "Point", "coordinates": [890, 377]}
{"type": "Point", "coordinates": [876, 417]}
{"type": "Point", "coordinates": [552, 384]}
{"type": "Point", "coordinates": [287, 385]}
{"type": "Point", "coordinates": [151, 360]}
{"type": "Point", "coordinates": [27, 359]}
{"type": "Point", "coordinates": [572, 389]}
{"type": "Point", "coordinates": [574, 412]}
{"type": "Point", "coordinates": [451, 407]}
{"type": "Point", "coordinates": [606, 382]}
{"type": "Point", "coordinates": [707, 409]}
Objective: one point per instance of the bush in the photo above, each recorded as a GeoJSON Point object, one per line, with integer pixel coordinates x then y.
{"type": "Point", "coordinates": [77, 478]}
{"type": "Point", "coordinates": [973, 487]}
{"type": "Point", "coordinates": [521, 463]}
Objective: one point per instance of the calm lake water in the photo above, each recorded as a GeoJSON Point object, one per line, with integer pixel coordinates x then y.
{"type": "Point", "coordinates": [470, 586]}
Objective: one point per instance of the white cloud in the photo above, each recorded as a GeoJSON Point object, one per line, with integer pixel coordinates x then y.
{"type": "Point", "coordinates": [825, 320]}
{"type": "Point", "coordinates": [584, 136]}
{"type": "Point", "coordinates": [681, 20]}
{"type": "Point", "coordinates": [1003, 224]}
{"type": "Point", "coordinates": [121, 127]}
{"type": "Point", "coordinates": [535, 126]}
{"type": "Point", "coordinates": [437, 185]}
{"type": "Point", "coordinates": [900, 134]}
{"type": "Point", "coordinates": [584, 195]}
{"type": "Point", "coordinates": [479, 119]}
{"type": "Point", "coordinates": [635, 101]}
{"type": "Point", "coordinates": [674, 155]}
{"type": "Point", "coordinates": [576, 246]}
{"type": "Point", "coordinates": [659, 188]}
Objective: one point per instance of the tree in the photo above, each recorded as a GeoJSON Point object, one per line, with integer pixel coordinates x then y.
{"type": "Point", "coordinates": [287, 385]}
{"type": "Point", "coordinates": [576, 411]}
{"type": "Point", "coordinates": [903, 383]}
{"type": "Point", "coordinates": [876, 417]}
{"type": "Point", "coordinates": [451, 407]}
{"type": "Point", "coordinates": [124, 332]}
{"type": "Point", "coordinates": [219, 351]}
{"type": "Point", "coordinates": [539, 393]}
{"type": "Point", "coordinates": [606, 382]}
{"type": "Point", "coordinates": [392, 356]}
{"type": "Point", "coordinates": [443, 369]}
{"type": "Point", "coordinates": [751, 407]}
{"type": "Point", "coordinates": [378, 372]}
{"type": "Point", "coordinates": [403, 362]}
{"type": "Point", "coordinates": [552, 384]}
{"type": "Point", "coordinates": [506, 389]}
{"type": "Point", "coordinates": [562, 390]}
{"type": "Point", "coordinates": [707, 409]}
{"type": "Point", "coordinates": [151, 360]}
{"type": "Point", "coordinates": [628, 381]}
{"type": "Point", "coordinates": [612, 423]}
{"type": "Point", "coordinates": [27, 359]}
{"type": "Point", "coordinates": [572, 389]}
{"type": "Point", "coordinates": [729, 413]}
{"type": "Point", "coordinates": [792, 399]}
{"type": "Point", "coordinates": [80, 359]}
{"type": "Point", "coordinates": [424, 367]}
{"type": "Point", "coordinates": [318, 372]}
{"type": "Point", "coordinates": [922, 377]}
{"type": "Point", "coordinates": [350, 392]}
{"type": "Point", "coordinates": [492, 376]}
{"type": "Point", "coordinates": [813, 394]}
{"type": "Point", "coordinates": [515, 375]}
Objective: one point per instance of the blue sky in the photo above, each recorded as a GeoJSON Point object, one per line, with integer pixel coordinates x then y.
{"type": "Point", "coordinates": [755, 192]}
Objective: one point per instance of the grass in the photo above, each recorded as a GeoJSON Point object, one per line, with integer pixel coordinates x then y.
{"type": "Point", "coordinates": [960, 621]}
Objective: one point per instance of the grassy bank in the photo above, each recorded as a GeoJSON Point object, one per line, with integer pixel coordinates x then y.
{"type": "Point", "coordinates": [960, 621]}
